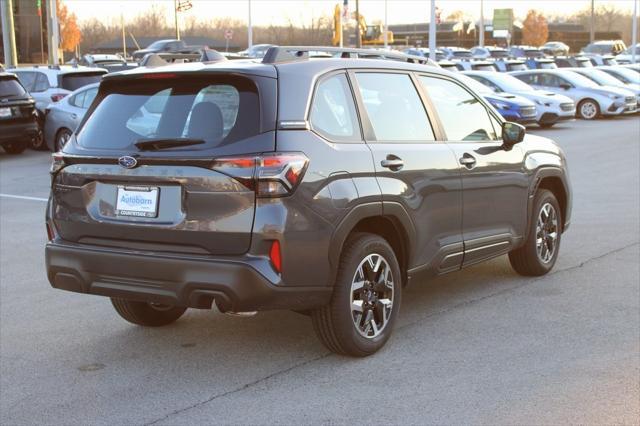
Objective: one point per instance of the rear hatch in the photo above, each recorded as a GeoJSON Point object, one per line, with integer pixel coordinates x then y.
{"type": "Point", "coordinates": [143, 170]}
{"type": "Point", "coordinates": [16, 105]}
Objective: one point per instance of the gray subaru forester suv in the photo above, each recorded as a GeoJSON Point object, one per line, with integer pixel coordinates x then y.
{"type": "Point", "coordinates": [322, 186]}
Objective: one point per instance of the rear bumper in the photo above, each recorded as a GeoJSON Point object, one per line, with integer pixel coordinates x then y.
{"type": "Point", "coordinates": [239, 283]}
{"type": "Point", "coordinates": [12, 132]}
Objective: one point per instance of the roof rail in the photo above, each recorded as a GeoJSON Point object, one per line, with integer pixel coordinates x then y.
{"type": "Point", "coordinates": [280, 54]}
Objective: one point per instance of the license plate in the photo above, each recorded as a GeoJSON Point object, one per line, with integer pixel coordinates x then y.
{"type": "Point", "coordinates": [5, 112]}
{"type": "Point", "coordinates": [137, 201]}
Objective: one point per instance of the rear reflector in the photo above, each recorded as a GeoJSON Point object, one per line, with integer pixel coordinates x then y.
{"type": "Point", "coordinates": [275, 256]}
{"type": "Point", "coordinates": [50, 234]}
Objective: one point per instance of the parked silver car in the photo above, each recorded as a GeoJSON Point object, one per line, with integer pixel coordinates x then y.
{"type": "Point", "coordinates": [605, 79]}
{"type": "Point", "coordinates": [551, 107]}
{"type": "Point", "coordinates": [63, 117]}
{"type": "Point", "coordinates": [591, 99]}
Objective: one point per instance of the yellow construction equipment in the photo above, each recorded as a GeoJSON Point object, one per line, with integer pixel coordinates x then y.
{"type": "Point", "coordinates": [372, 35]}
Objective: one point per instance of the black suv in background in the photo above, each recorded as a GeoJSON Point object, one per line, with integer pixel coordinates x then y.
{"type": "Point", "coordinates": [322, 186]}
{"type": "Point", "coordinates": [18, 117]}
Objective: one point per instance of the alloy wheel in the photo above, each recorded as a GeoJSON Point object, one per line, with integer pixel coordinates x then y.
{"type": "Point", "coordinates": [372, 290]}
{"type": "Point", "coordinates": [547, 233]}
{"type": "Point", "coordinates": [588, 110]}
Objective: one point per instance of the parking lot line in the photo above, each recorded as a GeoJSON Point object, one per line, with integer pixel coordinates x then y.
{"type": "Point", "coordinates": [23, 197]}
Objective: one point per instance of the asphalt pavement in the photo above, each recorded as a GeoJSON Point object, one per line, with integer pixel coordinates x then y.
{"type": "Point", "coordinates": [480, 346]}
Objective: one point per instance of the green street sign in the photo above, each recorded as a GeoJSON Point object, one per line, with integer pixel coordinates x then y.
{"type": "Point", "coordinates": [502, 19]}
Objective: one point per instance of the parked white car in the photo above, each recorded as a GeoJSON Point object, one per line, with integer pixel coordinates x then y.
{"type": "Point", "coordinates": [551, 107]}
{"type": "Point", "coordinates": [627, 56]}
{"type": "Point", "coordinates": [591, 99]}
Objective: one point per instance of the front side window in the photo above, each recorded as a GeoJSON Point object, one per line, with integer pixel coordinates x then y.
{"type": "Point", "coordinates": [394, 107]}
{"type": "Point", "coordinates": [333, 111]}
{"type": "Point", "coordinates": [463, 116]}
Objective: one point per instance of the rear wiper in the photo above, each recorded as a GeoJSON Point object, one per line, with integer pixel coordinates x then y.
{"type": "Point", "coordinates": [162, 143]}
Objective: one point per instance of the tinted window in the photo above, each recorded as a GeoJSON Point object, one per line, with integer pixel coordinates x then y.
{"type": "Point", "coordinates": [28, 79]}
{"type": "Point", "coordinates": [75, 81]}
{"type": "Point", "coordinates": [42, 83]}
{"type": "Point", "coordinates": [333, 113]}
{"type": "Point", "coordinates": [10, 87]}
{"type": "Point", "coordinates": [219, 112]}
{"type": "Point", "coordinates": [394, 107]}
{"type": "Point", "coordinates": [463, 116]}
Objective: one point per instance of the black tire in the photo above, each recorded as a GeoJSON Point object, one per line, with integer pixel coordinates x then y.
{"type": "Point", "coordinates": [14, 148]}
{"type": "Point", "coordinates": [62, 137]}
{"type": "Point", "coordinates": [546, 125]}
{"type": "Point", "coordinates": [37, 142]}
{"type": "Point", "coordinates": [595, 107]}
{"type": "Point", "coordinates": [335, 323]}
{"type": "Point", "coordinates": [527, 260]}
{"type": "Point", "coordinates": [147, 314]}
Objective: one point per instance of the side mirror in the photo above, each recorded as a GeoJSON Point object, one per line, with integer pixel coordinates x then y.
{"type": "Point", "coordinates": [565, 86]}
{"type": "Point", "coordinates": [512, 133]}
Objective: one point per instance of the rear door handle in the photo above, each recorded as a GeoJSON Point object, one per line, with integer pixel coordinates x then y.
{"type": "Point", "coordinates": [392, 162]}
{"type": "Point", "coordinates": [74, 116]}
{"type": "Point", "coordinates": [467, 160]}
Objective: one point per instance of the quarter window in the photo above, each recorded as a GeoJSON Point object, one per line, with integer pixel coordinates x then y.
{"type": "Point", "coordinates": [333, 112]}
{"type": "Point", "coordinates": [42, 83]}
{"type": "Point", "coordinates": [463, 116]}
{"type": "Point", "coordinates": [394, 107]}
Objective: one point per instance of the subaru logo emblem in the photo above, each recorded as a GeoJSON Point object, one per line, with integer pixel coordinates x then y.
{"type": "Point", "coordinates": [127, 162]}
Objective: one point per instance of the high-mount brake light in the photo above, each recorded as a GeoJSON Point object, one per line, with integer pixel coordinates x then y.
{"type": "Point", "coordinates": [158, 76]}
{"type": "Point", "coordinates": [270, 175]}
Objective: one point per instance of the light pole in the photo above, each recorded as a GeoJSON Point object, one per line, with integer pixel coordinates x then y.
{"type": "Point", "coordinates": [175, 16]}
{"type": "Point", "coordinates": [592, 28]}
{"type": "Point", "coordinates": [481, 32]}
{"type": "Point", "coordinates": [249, 29]}
{"type": "Point", "coordinates": [358, 32]}
{"type": "Point", "coordinates": [386, 41]}
{"type": "Point", "coordinates": [8, 34]}
{"type": "Point", "coordinates": [634, 35]}
{"type": "Point", "coordinates": [432, 32]}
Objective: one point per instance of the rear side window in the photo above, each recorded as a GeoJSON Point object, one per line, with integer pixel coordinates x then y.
{"type": "Point", "coordinates": [42, 83]}
{"type": "Point", "coordinates": [10, 87]}
{"type": "Point", "coordinates": [28, 79]}
{"type": "Point", "coordinates": [217, 111]}
{"type": "Point", "coordinates": [333, 112]}
{"type": "Point", "coordinates": [394, 107]}
{"type": "Point", "coordinates": [73, 82]}
{"type": "Point", "coordinates": [463, 116]}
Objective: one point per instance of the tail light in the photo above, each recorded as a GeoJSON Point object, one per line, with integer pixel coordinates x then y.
{"type": "Point", "coordinates": [269, 175]}
{"type": "Point", "coordinates": [57, 163]}
{"type": "Point", "coordinates": [57, 96]}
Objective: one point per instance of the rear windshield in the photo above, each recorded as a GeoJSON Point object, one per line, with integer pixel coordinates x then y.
{"type": "Point", "coordinates": [75, 81]}
{"type": "Point", "coordinates": [217, 111]}
{"type": "Point", "coordinates": [10, 87]}
{"type": "Point", "coordinates": [499, 54]}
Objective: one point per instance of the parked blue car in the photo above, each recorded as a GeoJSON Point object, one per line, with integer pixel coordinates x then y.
{"type": "Point", "coordinates": [512, 107]}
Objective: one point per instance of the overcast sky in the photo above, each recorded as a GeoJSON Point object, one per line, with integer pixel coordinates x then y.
{"type": "Point", "coordinates": [265, 12]}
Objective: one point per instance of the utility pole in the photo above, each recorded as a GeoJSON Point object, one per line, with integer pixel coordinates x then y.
{"type": "Point", "coordinates": [481, 31]}
{"type": "Point", "coordinates": [358, 33]}
{"type": "Point", "coordinates": [432, 32]}
{"type": "Point", "coordinates": [53, 35]}
{"type": "Point", "coordinates": [249, 29]}
{"type": "Point", "coordinates": [386, 28]}
{"type": "Point", "coordinates": [592, 28]}
{"type": "Point", "coordinates": [8, 34]}
{"type": "Point", "coordinates": [175, 15]}
{"type": "Point", "coordinates": [634, 35]}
